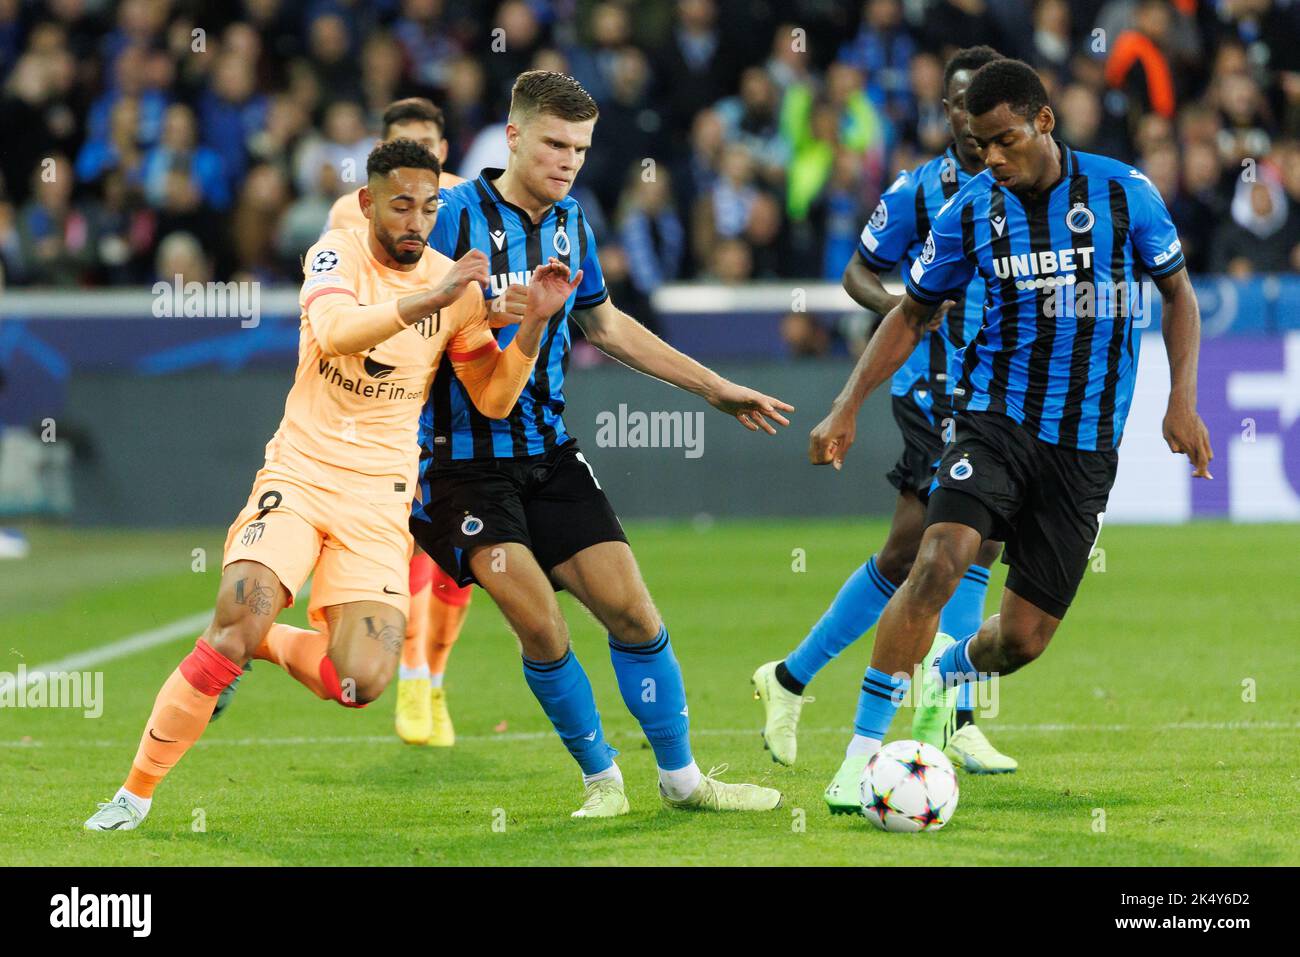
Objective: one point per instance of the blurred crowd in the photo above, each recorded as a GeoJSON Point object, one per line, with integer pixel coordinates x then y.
{"type": "Point", "coordinates": [738, 139]}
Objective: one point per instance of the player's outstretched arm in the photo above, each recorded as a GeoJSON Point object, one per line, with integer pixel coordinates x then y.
{"type": "Point", "coordinates": [888, 349]}
{"type": "Point", "coordinates": [343, 327]}
{"type": "Point", "coordinates": [494, 377]}
{"type": "Point", "coordinates": [1183, 428]}
{"type": "Point", "coordinates": [621, 337]}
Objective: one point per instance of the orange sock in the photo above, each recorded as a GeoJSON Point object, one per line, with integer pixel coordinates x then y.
{"type": "Point", "coordinates": [418, 624]}
{"type": "Point", "coordinates": [445, 621]}
{"type": "Point", "coordinates": [299, 652]}
{"type": "Point", "coordinates": [181, 711]}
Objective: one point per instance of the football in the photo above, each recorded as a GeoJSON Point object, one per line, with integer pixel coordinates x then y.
{"type": "Point", "coordinates": [909, 786]}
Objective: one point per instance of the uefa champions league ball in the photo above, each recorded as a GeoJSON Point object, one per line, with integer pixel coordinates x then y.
{"type": "Point", "coordinates": [909, 786]}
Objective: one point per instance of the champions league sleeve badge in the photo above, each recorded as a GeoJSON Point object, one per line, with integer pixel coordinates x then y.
{"type": "Point", "coordinates": [927, 253]}
{"type": "Point", "coordinates": [324, 261]}
{"type": "Point", "coordinates": [879, 217]}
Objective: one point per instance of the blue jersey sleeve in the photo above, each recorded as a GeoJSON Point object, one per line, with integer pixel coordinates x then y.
{"type": "Point", "coordinates": [591, 291]}
{"type": "Point", "coordinates": [892, 226]}
{"type": "Point", "coordinates": [446, 229]}
{"type": "Point", "coordinates": [1151, 230]}
{"type": "Point", "coordinates": [942, 265]}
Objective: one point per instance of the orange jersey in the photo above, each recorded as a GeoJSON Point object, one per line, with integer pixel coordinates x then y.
{"type": "Point", "coordinates": [346, 211]}
{"type": "Point", "coordinates": [351, 418]}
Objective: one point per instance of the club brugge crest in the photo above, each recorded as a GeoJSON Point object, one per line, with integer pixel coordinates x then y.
{"type": "Point", "coordinates": [471, 526]}
{"type": "Point", "coordinates": [324, 261]}
{"type": "Point", "coordinates": [961, 470]}
{"type": "Point", "coordinates": [1080, 218]}
{"type": "Point", "coordinates": [927, 253]}
{"type": "Point", "coordinates": [561, 242]}
{"type": "Point", "coordinates": [879, 217]}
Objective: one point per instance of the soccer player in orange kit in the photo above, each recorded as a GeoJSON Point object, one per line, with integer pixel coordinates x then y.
{"type": "Point", "coordinates": [379, 309]}
{"type": "Point", "coordinates": [438, 604]}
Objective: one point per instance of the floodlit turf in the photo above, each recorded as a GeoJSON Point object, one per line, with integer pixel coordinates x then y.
{"type": "Point", "coordinates": [1135, 743]}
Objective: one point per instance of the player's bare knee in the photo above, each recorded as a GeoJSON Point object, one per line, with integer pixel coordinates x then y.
{"type": "Point", "coordinates": [895, 563]}
{"type": "Point", "coordinates": [1020, 645]}
{"type": "Point", "coordinates": [543, 634]}
{"type": "Point", "coordinates": [989, 553]}
{"type": "Point", "coordinates": [362, 677]}
{"type": "Point", "coordinates": [371, 680]}
{"type": "Point", "coordinates": [935, 574]}
{"type": "Point", "coordinates": [637, 623]}
{"type": "Point", "coordinates": [236, 636]}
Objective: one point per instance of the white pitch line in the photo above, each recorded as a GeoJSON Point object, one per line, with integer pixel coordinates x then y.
{"type": "Point", "coordinates": [698, 733]}
{"type": "Point", "coordinates": [189, 625]}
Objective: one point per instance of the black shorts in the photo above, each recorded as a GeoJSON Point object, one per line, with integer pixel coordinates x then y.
{"type": "Point", "coordinates": [551, 503]}
{"type": "Point", "coordinates": [1045, 501]}
{"type": "Point", "coordinates": [922, 446]}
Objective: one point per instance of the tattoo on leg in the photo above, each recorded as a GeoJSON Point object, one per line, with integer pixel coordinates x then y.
{"type": "Point", "coordinates": [256, 596]}
{"type": "Point", "coordinates": [386, 634]}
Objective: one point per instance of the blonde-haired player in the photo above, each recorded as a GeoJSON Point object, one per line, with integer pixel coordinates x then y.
{"type": "Point", "coordinates": [379, 309]}
{"type": "Point", "coordinates": [438, 604]}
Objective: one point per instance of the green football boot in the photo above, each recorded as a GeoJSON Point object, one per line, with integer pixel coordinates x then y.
{"type": "Point", "coordinates": [844, 794]}
{"type": "Point", "coordinates": [714, 795]}
{"type": "Point", "coordinates": [936, 708]}
{"type": "Point", "coordinates": [970, 750]}
{"type": "Point", "coordinates": [781, 710]}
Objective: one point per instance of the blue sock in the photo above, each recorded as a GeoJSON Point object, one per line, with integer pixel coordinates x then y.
{"type": "Point", "coordinates": [651, 682]}
{"type": "Point", "coordinates": [955, 664]}
{"type": "Point", "coordinates": [963, 616]}
{"type": "Point", "coordinates": [878, 703]}
{"type": "Point", "coordinates": [853, 613]}
{"type": "Point", "coordinates": [565, 695]}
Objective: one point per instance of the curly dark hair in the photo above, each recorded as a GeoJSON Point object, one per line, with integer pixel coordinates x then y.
{"type": "Point", "coordinates": [1012, 82]}
{"type": "Point", "coordinates": [969, 58]}
{"type": "Point", "coordinates": [398, 154]}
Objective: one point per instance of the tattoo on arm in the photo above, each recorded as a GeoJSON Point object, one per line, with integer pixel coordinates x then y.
{"type": "Point", "coordinates": [386, 634]}
{"type": "Point", "coordinates": [257, 596]}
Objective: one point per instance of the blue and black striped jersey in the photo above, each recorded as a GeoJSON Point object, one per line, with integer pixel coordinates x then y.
{"type": "Point", "coordinates": [896, 233]}
{"type": "Point", "coordinates": [472, 215]}
{"type": "Point", "coordinates": [1056, 351]}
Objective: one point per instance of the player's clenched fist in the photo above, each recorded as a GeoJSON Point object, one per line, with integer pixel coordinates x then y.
{"type": "Point", "coordinates": [832, 438]}
{"type": "Point", "coordinates": [471, 267]}
{"type": "Point", "coordinates": [546, 293]}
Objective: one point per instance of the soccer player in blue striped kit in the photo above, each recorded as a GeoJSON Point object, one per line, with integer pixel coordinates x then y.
{"type": "Point", "coordinates": [1061, 239]}
{"type": "Point", "coordinates": [921, 396]}
{"type": "Point", "coordinates": [514, 505]}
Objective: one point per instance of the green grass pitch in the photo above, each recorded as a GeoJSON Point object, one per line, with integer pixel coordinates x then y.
{"type": "Point", "coordinates": [1136, 740]}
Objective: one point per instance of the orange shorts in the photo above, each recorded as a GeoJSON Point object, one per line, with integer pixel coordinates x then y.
{"type": "Point", "coordinates": [360, 551]}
